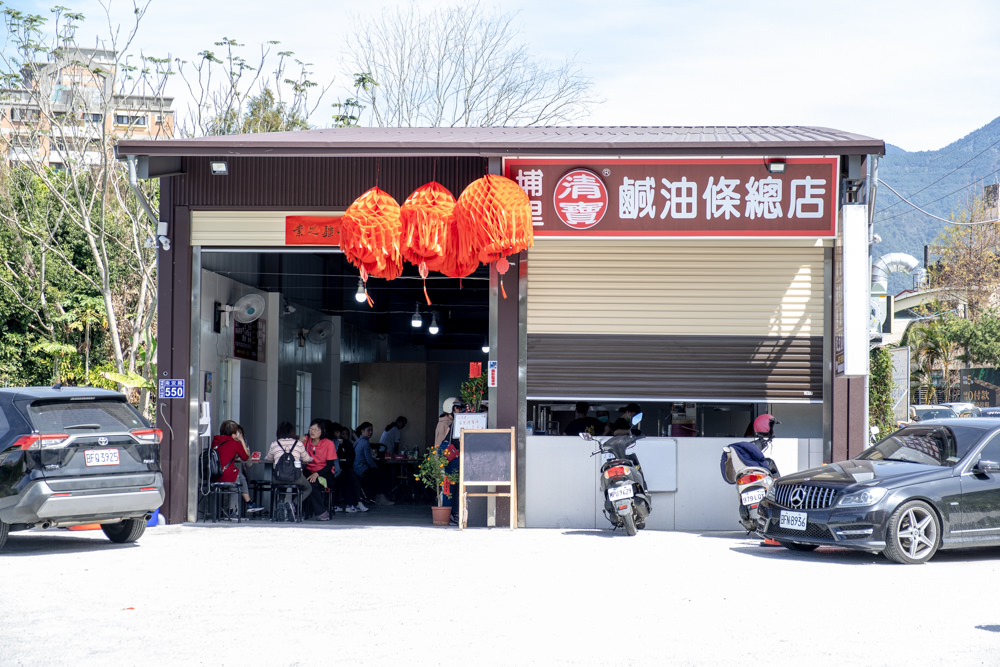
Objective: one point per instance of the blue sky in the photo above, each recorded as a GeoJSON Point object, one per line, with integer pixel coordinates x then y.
{"type": "Point", "coordinates": [916, 73]}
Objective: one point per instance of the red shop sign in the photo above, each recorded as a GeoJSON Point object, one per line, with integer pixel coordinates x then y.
{"type": "Point", "coordinates": [736, 197]}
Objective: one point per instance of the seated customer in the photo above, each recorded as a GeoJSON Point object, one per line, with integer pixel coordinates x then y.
{"type": "Point", "coordinates": [285, 442]}
{"type": "Point", "coordinates": [232, 447]}
{"type": "Point", "coordinates": [323, 468]}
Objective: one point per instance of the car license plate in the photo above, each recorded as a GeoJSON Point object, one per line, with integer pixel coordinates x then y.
{"type": "Point", "coordinates": [620, 492]}
{"type": "Point", "coordinates": [792, 520]}
{"type": "Point", "coordinates": [752, 497]}
{"type": "Point", "coordinates": [101, 457]}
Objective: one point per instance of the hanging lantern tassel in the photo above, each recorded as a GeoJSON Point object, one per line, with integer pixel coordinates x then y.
{"type": "Point", "coordinates": [445, 486]}
{"type": "Point", "coordinates": [364, 281]}
{"type": "Point", "coordinates": [502, 265]}
{"type": "Point", "coordinates": [369, 235]}
{"type": "Point", "coordinates": [422, 270]}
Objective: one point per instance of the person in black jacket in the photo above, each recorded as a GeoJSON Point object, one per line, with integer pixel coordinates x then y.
{"type": "Point", "coordinates": [583, 422]}
{"type": "Point", "coordinates": [348, 491]}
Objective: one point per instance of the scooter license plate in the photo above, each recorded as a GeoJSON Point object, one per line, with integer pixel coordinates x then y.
{"type": "Point", "coordinates": [792, 520]}
{"type": "Point", "coordinates": [620, 492]}
{"type": "Point", "coordinates": [752, 497]}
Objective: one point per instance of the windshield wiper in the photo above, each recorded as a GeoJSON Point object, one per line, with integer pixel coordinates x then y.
{"type": "Point", "coordinates": [92, 427]}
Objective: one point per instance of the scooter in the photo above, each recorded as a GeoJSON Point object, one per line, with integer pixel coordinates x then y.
{"type": "Point", "coordinates": [745, 465]}
{"type": "Point", "coordinates": [626, 503]}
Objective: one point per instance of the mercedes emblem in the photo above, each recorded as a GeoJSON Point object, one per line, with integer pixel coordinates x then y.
{"type": "Point", "coordinates": [798, 498]}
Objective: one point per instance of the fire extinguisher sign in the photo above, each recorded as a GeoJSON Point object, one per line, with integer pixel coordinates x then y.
{"type": "Point", "coordinates": [491, 375]}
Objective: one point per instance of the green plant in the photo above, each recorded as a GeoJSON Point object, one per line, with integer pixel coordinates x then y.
{"type": "Point", "coordinates": [432, 472]}
{"type": "Point", "coordinates": [473, 391]}
{"type": "Point", "coordinates": [880, 390]}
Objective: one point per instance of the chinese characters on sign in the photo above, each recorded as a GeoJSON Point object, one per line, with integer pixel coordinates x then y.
{"type": "Point", "coordinates": [710, 197]}
{"type": "Point", "coordinates": [248, 340]}
{"type": "Point", "coordinates": [312, 230]}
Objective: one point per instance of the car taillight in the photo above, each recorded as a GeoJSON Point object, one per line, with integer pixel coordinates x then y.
{"type": "Point", "coordinates": [751, 478]}
{"type": "Point", "coordinates": [615, 471]}
{"type": "Point", "coordinates": [41, 441]}
{"type": "Point", "coordinates": [149, 435]}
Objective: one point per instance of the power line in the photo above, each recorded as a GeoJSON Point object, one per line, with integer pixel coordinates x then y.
{"type": "Point", "coordinates": [936, 217]}
{"type": "Point", "coordinates": [902, 198]}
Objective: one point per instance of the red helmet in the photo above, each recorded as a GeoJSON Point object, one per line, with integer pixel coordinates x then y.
{"type": "Point", "coordinates": [764, 425]}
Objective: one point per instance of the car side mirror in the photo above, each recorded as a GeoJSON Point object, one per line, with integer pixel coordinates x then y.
{"type": "Point", "coordinates": [987, 466]}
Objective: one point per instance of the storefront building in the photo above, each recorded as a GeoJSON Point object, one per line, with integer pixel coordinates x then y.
{"type": "Point", "coordinates": [709, 274]}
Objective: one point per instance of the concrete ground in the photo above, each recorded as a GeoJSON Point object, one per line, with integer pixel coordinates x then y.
{"type": "Point", "coordinates": [388, 588]}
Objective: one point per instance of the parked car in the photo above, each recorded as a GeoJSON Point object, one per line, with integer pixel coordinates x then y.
{"type": "Point", "coordinates": [990, 412]}
{"type": "Point", "coordinates": [925, 412]}
{"type": "Point", "coordinates": [928, 486]}
{"type": "Point", "coordinates": [73, 455]}
{"type": "Point", "coordinates": [965, 409]}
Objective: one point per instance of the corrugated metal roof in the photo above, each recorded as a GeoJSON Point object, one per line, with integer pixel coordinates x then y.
{"type": "Point", "coordinates": [508, 141]}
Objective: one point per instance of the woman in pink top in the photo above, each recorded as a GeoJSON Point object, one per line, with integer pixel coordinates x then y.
{"type": "Point", "coordinates": [324, 465]}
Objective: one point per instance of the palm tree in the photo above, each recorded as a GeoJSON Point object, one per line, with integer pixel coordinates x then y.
{"type": "Point", "coordinates": [933, 345]}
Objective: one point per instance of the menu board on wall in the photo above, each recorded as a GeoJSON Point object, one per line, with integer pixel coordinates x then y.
{"type": "Point", "coordinates": [248, 340]}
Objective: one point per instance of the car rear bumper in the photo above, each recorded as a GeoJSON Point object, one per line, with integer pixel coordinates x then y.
{"type": "Point", "coordinates": [85, 500]}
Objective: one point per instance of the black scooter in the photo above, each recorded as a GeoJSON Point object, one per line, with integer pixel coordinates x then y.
{"type": "Point", "coordinates": [626, 502]}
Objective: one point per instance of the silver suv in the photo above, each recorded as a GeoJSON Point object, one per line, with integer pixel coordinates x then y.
{"type": "Point", "coordinates": [75, 455]}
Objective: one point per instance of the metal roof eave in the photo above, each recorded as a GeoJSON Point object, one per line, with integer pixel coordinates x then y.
{"type": "Point", "coordinates": [505, 142]}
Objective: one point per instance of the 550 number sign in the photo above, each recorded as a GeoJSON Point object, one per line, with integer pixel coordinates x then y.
{"type": "Point", "coordinates": [171, 389]}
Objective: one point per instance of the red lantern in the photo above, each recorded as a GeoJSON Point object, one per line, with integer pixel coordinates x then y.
{"type": "Point", "coordinates": [369, 235]}
{"type": "Point", "coordinates": [498, 211]}
{"type": "Point", "coordinates": [424, 219]}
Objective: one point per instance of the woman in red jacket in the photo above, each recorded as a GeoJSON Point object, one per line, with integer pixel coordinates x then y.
{"type": "Point", "coordinates": [324, 464]}
{"type": "Point", "coordinates": [231, 445]}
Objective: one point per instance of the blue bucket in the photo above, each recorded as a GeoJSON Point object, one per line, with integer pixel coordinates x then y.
{"type": "Point", "coordinates": [155, 519]}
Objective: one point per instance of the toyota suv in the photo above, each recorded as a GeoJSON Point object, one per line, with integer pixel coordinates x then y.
{"type": "Point", "coordinates": [76, 455]}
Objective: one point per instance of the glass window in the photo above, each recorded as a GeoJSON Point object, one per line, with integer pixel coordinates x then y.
{"type": "Point", "coordinates": [65, 416]}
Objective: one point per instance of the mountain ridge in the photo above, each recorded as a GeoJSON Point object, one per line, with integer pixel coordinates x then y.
{"type": "Point", "coordinates": [941, 182]}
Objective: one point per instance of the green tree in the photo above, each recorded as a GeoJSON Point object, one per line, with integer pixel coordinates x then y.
{"type": "Point", "coordinates": [933, 343]}
{"type": "Point", "coordinates": [880, 412]}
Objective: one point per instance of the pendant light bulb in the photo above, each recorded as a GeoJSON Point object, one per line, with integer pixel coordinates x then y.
{"type": "Point", "coordinates": [417, 320]}
{"type": "Point", "coordinates": [486, 346]}
{"type": "Point", "coordinates": [433, 328]}
{"type": "Point", "coordinates": [360, 295]}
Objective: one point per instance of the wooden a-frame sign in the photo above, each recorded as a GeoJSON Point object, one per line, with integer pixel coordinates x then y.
{"type": "Point", "coordinates": [487, 459]}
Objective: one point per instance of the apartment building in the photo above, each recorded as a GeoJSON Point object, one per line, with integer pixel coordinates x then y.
{"type": "Point", "coordinates": [74, 106]}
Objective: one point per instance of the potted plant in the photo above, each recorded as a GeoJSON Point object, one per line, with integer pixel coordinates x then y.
{"type": "Point", "coordinates": [432, 472]}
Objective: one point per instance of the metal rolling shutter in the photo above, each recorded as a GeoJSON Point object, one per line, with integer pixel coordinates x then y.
{"type": "Point", "coordinates": [676, 320]}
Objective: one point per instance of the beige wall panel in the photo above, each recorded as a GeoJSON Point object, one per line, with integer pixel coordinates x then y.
{"type": "Point", "coordinates": [676, 287]}
{"type": "Point", "coordinates": [243, 228]}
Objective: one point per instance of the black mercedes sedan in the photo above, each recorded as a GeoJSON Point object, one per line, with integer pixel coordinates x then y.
{"type": "Point", "coordinates": [930, 485]}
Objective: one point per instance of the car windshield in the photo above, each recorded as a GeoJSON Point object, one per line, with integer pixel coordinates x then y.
{"type": "Point", "coordinates": [931, 445]}
{"type": "Point", "coordinates": [935, 413]}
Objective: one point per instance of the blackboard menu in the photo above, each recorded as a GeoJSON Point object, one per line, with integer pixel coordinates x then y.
{"type": "Point", "coordinates": [248, 340]}
{"type": "Point", "coordinates": [487, 456]}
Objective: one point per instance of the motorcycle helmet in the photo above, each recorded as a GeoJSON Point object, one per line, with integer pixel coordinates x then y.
{"type": "Point", "coordinates": [764, 425]}
{"type": "Point", "coordinates": [450, 403]}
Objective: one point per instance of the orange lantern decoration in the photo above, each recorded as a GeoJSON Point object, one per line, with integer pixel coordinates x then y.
{"type": "Point", "coordinates": [369, 235]}
{"type": "Point", "coordinates": [424, 220]}
{"type": "Point", "coordinates": [499, 213]}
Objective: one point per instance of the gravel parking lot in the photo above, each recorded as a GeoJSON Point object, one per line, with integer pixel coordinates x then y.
{"type": "Point", "coordinates": [343, 593]}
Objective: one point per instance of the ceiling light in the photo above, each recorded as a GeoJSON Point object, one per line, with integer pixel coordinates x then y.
{"type": "Point", "coordinates": [417, 320]}
{"type": "Point", "coordinates": [486, 346]}
{"type": "Point", "coordinates": [219, 168]}
{"type": "Point", "coordinates": [433, 328]}
{"type": "Point", "coordinates": [360, 295]}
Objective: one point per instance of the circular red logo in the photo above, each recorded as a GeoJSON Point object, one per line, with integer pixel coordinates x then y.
{"type": "Point", "coordinates": [580, 199]}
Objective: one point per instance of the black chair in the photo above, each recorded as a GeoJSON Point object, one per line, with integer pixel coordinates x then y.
{"type": "Point", "coordinates": [258, 487]}
{"type": "Point", "coordinates": [280, 491]}
{"type": "Point", "coordinates": [219, 495]}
